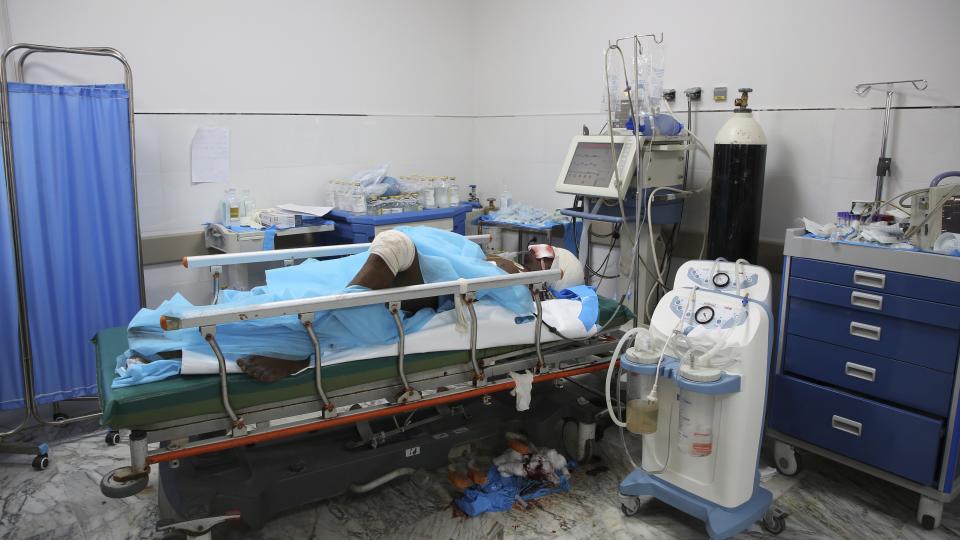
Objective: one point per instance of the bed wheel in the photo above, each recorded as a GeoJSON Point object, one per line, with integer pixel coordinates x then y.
{"type": "Point", "coordinates": [41, 462]}
{"type": "Point", "coordinates": [112, 438]}
{"type": "Point", "coordinates": [118, 489]}
{"type": "Point", "coordinates": [60, 417]}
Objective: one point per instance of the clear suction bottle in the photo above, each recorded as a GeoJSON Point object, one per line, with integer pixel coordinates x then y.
{"type": "Point", "coordinates": [696, 412]}
{"type": "Point", "coordinates": [642, 412]}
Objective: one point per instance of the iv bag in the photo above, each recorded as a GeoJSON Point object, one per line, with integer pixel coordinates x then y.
{"type": "Point", "coordinates": [655, 54]}
{"type": "Point", "coordinates": [613, 84]}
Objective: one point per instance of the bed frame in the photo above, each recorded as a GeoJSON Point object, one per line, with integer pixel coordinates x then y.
{"type": "Point", "coordinates": [404, 393]}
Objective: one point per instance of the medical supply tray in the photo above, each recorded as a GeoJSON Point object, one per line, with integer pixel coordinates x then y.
{"type": "Point", "coordinates": [191, 396]}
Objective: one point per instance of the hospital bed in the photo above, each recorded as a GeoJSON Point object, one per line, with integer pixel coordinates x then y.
{"type": "Point", "coordinates": [231, 448]}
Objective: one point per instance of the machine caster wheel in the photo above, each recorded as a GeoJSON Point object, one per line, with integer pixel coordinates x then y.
{"type": "Point", "coordinates": [60, 417]}
{"type": "Point", "coordinates": [774, 521]}
{"type": "Point", "coordinates": [112, 438]}
{"type": "Point", "coordinates": [786, 459]}
{"type": "Point", "coordinates": [41, 462]}
{"type": "Point", "coordinates": [118, 489]}
{"type": "Point", "coordinates": [929, 513]}
{"type": "Point", "coordinates": [629, 506]}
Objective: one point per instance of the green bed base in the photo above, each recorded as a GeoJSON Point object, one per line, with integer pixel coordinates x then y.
{"type": "Point", "coordinates": [190, 396]}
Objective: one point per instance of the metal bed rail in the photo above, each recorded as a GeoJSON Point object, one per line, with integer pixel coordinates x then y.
{"type": "Point", "coordinates": [209, 317]}
{"type": "Point", "coordinates": [26, 359]}
{"type": "Point", "coordinates": [275, 255]}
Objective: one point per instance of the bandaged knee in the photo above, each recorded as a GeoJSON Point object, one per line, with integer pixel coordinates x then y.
{"type": "Point", "coordinates": [395, 249]}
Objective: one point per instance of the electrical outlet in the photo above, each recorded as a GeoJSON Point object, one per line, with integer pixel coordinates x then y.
{"type": "Point", "coordinates": [719, 93]}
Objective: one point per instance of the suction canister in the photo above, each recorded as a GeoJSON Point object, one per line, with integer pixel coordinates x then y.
{"type": "Point", "coordinates": [736, 193]}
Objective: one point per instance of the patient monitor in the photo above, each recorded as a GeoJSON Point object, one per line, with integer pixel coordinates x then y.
{"type": "Point", "coordinates": [589, 166]}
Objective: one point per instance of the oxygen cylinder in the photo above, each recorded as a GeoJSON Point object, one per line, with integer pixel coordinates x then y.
{"type": "Point", "coordinates": [739, 156]}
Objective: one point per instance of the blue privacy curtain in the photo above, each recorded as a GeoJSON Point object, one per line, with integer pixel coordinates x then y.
{"type": "Point", "coordinates": [11, 381]}
{"type": "Point", "coordinates": [75, 203]}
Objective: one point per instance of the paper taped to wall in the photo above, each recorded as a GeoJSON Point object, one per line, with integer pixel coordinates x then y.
{"type": "Point", "coordinates": [210, 155]}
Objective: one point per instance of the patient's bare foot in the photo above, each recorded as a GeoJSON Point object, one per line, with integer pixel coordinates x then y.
{"type": "Point", "coordinates": [267, 369]}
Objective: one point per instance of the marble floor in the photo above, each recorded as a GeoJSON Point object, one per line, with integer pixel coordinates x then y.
{"type": "Point", "coordinates": [825, 501]}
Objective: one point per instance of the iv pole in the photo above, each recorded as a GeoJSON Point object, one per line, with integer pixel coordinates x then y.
{"type": "Point", "coordinates": [884, 162]}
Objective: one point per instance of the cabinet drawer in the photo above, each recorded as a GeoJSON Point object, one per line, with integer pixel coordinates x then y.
{"type": "Point", "coordinates": [903, 443]}
{"type": "Point", "coordinates": [924, 288]}
{"type": "Point", "coordinates": [915, 343]}
{"type": "Point", "coordinates": [891, 305]}
{"type": "Point", "coordinates": [906, 384]}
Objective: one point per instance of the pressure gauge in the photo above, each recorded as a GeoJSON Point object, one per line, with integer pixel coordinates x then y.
{"type": "Point", "coordinates": [704, 314]}
{"type": "Point", "coordinates": [721, 279]}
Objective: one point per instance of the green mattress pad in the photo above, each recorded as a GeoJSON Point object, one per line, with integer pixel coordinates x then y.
{"type": "Point", "coordinates": [194, 395]}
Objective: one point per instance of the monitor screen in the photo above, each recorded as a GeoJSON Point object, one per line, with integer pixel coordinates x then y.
{"type": "Point", "coordinates": [592, 165]}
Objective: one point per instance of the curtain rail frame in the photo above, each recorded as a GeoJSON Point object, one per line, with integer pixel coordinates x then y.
{"type": "Point", "coordinates": [26, 359]}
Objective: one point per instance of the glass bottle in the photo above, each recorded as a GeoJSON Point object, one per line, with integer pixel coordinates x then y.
{"type": "Point", "coordinates": [442, 193]}
{"type": "Point", "coordinates": [358, 200]}
{"type": "Point", "coordinates": [454, 192]}
{"type": "Point", "coordinates": [429, 195]}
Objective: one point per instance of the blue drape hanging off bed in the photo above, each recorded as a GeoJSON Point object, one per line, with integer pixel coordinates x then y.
{"type": "Point", "coordinates": [78, 226]}
{"type": "Point", "coordinates": [11, 380]}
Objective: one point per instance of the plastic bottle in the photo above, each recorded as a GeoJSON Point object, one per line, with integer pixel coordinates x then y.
{"type": "Point", "coordinates": [442, 193]}
{"type": "Point", "coordinates": [506, 200]}
{"type": "Point", "coordinates": [249, 207]}
{"type": "Point", "coordinates": [225, 207]}
{"type": "Point", "coordinates": [454, 192]}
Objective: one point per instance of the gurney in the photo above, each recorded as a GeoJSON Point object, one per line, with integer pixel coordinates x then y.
{"type": "Point", "coordinates": [205, 419]}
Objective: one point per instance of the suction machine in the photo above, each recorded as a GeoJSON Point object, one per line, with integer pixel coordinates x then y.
{"type": "Point", "coordinates": [696, 386]}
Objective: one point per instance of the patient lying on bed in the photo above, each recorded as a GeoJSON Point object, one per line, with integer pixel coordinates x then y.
{"type": "Point", "coordinates": [394, 262]}
{"type": "Point", "coordinates": [272, 349]}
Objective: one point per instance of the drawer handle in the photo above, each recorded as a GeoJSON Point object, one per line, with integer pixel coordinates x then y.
{"type": "Point", "coordinates": [866, 300]}
{"type": "Point", "coordinates": [858, 371]}
{"type": "Point", "coordinates": [869, 279]}
{"type": "Point", "coordinates": [865, 331]}
{"type": "Point", "coordinates": [846, 425]}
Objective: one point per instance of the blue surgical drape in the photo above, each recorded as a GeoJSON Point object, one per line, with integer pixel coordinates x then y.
{"type": "Point", "coordinates": [77, 218]}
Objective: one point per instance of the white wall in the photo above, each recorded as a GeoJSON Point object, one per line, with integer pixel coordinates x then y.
{"type": "Point", "coordinates": [310, 91]}
{"type": "Point", "coordinates": [539, 78]}
{"type": "Point", "coordinates": [493, 91]}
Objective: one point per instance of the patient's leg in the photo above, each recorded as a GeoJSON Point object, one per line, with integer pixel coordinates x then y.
{"type": "Point", "coordinates": [267, 369]}
{"type": "Point", "coordinates": [375, 274]}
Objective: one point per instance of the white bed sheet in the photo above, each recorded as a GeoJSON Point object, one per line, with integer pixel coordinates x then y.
{"type": "Point", "coordinates": [498, 328]}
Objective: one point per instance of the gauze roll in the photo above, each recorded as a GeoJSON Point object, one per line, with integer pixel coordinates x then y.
{"type": "Point", "coordinates": [396, 249]}
{"type": "Point", "coordinates": [570, 269]}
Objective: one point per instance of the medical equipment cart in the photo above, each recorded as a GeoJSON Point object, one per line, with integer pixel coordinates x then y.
{"type": "Point", "coordinates": [218, 237]}
{"type": "Point", "coordinates": [866, 367]}
{"type": "Point", "coordinates": [539, 233]}
{"type": "Point", "coordinates": [360, 228]}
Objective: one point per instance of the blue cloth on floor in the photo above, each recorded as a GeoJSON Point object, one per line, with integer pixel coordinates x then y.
{"type": "Point", "coordinates": [444, 256]}
{"type": "Point", "coordinates": [499, 494]}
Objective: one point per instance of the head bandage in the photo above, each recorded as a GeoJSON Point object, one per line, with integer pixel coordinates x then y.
{"type": "Point", "coordinates": [395, 249]}
{"type": "Point", "coordinates": [571, 273]}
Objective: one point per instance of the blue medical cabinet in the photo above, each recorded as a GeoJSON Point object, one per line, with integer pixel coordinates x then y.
{"type": "Point", "coordinates": [350, 228]}
{"type": "Point", "coordinates": [865, 369]}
